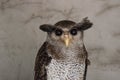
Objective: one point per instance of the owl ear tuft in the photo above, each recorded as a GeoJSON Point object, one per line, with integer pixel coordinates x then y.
{"type": "Point", "coordinates": [85, 24]}
{"type": "Point", "coordinates": [47, 27]}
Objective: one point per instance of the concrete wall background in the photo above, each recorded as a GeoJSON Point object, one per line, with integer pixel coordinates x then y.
{"type": "Point", "coordinates": [20, 37]}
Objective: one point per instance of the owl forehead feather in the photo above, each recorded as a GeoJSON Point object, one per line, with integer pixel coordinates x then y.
{"type": "Point", "coordinates": [65, 24]}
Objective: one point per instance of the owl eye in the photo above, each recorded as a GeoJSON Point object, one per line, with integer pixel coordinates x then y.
{"type": "Point", "coordinates": [73, 31]}
{"type": "Point", "coordinates": [58, 32]}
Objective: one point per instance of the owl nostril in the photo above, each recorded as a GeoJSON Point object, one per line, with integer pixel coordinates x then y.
{"type": "Point", "coordinates": [66, 36]}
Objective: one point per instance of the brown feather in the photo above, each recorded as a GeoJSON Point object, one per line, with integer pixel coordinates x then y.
{"type": "Point", "coordinates": [42, 60]}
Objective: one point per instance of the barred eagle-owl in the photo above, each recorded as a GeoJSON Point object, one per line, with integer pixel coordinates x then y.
{"type": "Point", "coordinates": [63, 55]}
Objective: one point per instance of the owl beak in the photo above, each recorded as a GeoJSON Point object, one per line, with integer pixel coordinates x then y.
{"type": "Point", "coordinates": [66, 40]}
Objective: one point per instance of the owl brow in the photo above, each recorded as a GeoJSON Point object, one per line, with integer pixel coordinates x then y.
{"type": "Point", "coordinates": [75, 27]}
{"type": "Point", "coordinates": [54, 29]}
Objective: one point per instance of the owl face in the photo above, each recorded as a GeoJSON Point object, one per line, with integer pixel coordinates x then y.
{"type": "Point", "coordinates": [66, 36]}
{"type": "Point", "coordinates": [66, 32]}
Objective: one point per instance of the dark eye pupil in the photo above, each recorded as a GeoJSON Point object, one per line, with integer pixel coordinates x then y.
{"type": "Point", "coordinates": [58, 32]}
{"type": "Point", "coordinates": [73, 32]}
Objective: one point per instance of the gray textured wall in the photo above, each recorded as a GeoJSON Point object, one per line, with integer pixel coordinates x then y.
{"type": "Point", "coordinates": [20, 37]}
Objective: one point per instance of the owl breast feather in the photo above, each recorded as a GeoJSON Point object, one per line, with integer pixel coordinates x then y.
{"type": "Point", "coordinates": [65, 70]}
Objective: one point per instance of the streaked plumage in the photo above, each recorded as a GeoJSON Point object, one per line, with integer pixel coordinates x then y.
{"type": "Point", "coordinates": [63, 55]}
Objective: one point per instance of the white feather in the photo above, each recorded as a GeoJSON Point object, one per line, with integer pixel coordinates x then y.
{"type": "Point", "coordinates": [60, 70]}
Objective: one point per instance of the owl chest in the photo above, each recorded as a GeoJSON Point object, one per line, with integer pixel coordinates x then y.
{"type": "Point", "coordinates": [65, 71]}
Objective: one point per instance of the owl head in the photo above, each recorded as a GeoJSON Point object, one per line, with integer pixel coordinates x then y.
{"type": "Point", "coordinates": [66, 32]}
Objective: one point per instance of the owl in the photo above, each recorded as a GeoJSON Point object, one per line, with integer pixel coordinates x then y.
{"type": "Point", "coordinates": [63, 55]}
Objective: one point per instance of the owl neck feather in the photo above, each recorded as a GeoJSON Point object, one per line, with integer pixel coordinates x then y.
{"type": "Point", "coordinates": [74, 53]}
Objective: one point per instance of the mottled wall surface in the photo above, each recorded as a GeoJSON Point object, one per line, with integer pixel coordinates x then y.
{"type": "Point", "coordinates": [20, 37]}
